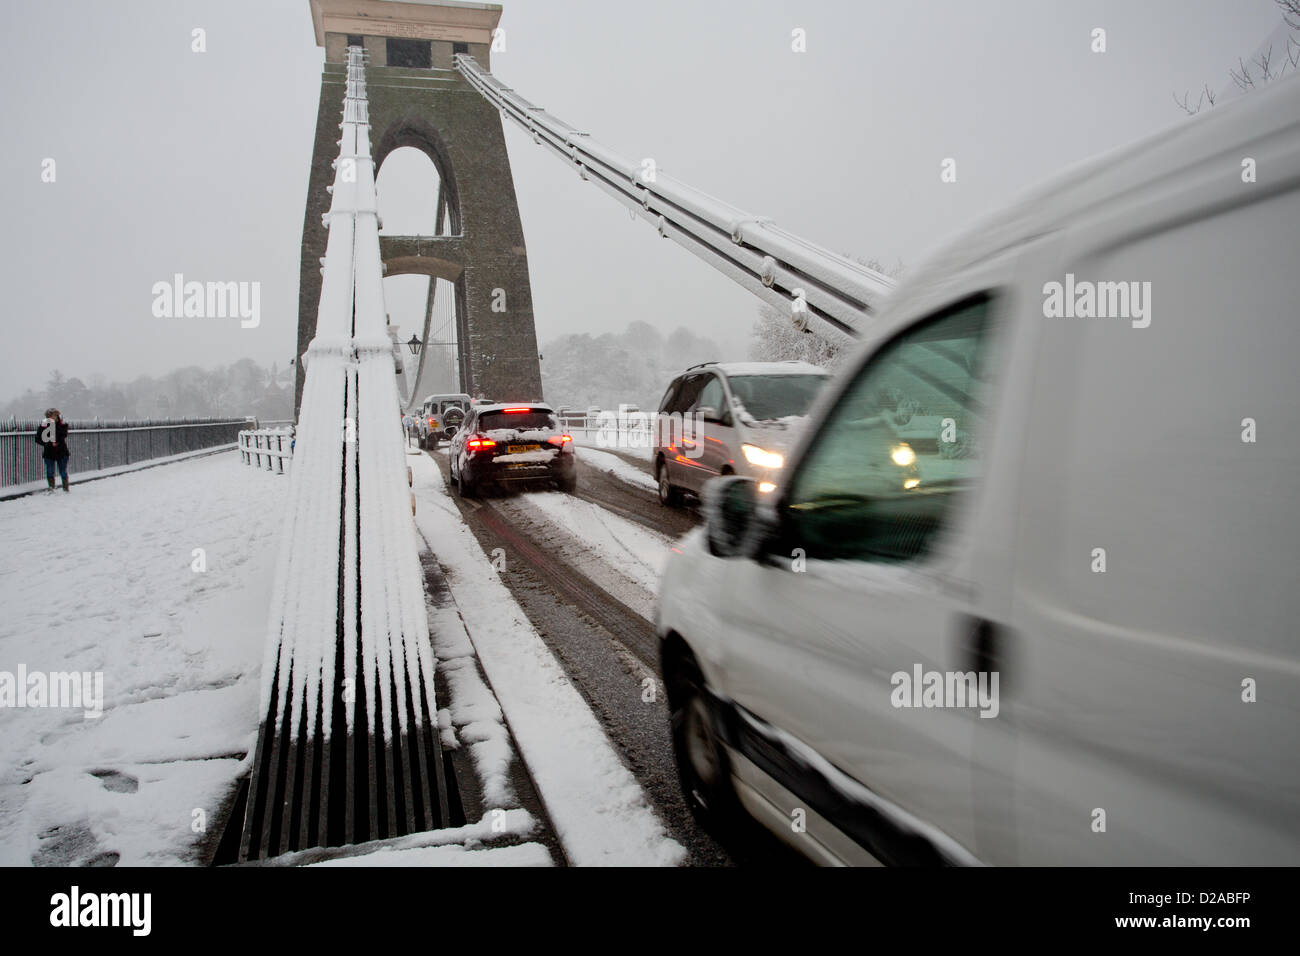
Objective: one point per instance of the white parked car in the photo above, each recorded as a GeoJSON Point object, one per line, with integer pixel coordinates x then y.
{"type": "Point", "coordinates": [1076, 638]}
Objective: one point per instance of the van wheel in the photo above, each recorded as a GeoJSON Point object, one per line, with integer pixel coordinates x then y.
{"type": "Point", "coordinates": [702, 764]}
{"type": "Point", "coordinates": [669, 494]}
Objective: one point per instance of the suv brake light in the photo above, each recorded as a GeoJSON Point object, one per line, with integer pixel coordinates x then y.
{"type": "Point", "coordinates": [478, 443]}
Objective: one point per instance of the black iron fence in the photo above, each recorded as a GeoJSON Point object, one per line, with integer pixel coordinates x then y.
{"type": "Point", "coordinates": [95, 445]}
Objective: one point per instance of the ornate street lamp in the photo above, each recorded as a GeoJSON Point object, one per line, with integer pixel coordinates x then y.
{"type": "Point", "coordinates": [415, 345]}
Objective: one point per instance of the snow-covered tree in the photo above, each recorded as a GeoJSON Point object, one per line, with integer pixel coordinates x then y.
{"type": "Point", "coordinates": [774, 337]}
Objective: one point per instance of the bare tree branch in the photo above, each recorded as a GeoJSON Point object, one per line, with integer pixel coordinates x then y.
{"type": "Point", "coordinates": [1245, 76]}
{"type": "Point", "coordinates": [1290, 12]}
{"type": "Point", "coordinates": [1243, 79]}
{"type": "Point", "coordinates": [1264, 59]}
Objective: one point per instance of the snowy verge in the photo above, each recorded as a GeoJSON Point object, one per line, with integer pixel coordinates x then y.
{"type": "Point", "coordinates": [471, 716]}
{"type": "Point", "coordinates": [620, 468]}
{"type": "Point", "coordinates": [629, 446]}
{"type": "Point", "coordinates": [495, 827]}
{"type": "Point", "coordinates": [600, 813]}
{"type": "Point", "coordinates": [525, 854]}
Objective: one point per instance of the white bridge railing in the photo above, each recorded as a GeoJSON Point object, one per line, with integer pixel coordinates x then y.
{"type": "Point", "coordinates": [275, 445]}
{"type": "Point", "coordinates": [634, 429]}
{"type": "Point", "coordinates": [816, 287]}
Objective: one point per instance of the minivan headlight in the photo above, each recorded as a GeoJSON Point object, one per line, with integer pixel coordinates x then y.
{"type": "Point", "coordinates": [762, 457]}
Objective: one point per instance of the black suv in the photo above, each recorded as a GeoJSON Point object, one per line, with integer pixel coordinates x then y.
{"type": "Point", "coordinates": [519, 441]}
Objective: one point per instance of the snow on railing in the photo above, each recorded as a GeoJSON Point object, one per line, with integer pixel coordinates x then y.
{"type": "Point", "coordinates": [348, 586]}
{"type": "Point", "coordinates": [816, 287]}
{"type": "Point", "coordinates": [273, 444]}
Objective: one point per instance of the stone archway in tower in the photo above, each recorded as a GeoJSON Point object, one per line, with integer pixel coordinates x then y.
{"type": "Point", "coordinates": [417, 203]}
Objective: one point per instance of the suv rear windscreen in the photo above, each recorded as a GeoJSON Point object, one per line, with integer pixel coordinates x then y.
{"type": "Point", "coordinates": [769, 397]}
{"type": "Point", "coordinates": [489, 421]}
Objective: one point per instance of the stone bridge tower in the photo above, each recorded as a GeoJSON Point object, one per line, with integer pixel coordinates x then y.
{"type": "Point", "coordinates": [418, 99]}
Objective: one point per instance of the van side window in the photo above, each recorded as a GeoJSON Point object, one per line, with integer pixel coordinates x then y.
{"type": "Point", "coordinates": [901, 445]}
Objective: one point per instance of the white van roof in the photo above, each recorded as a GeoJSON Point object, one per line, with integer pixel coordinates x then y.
{"type": "Point", "coordinates": [1104, 185]}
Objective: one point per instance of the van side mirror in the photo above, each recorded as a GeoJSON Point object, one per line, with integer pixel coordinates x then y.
{"type": "Point", "coordinates": [707, 412]}
{"type": "Point", "coordinates": [732, 523]}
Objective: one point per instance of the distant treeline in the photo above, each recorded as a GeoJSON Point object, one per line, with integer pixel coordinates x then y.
{"type": "Point", "coordinates": [242, 388]}
{"type": "Point", "coordinates": [633, 366]}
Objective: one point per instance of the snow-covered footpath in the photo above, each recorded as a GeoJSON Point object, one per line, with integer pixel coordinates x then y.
{"type": "Point", "coordinates": [601, 815]}
{"type": "Point", "coordinates": [158, 581]}
{"type": "Point", "coordinates": [154, 587]}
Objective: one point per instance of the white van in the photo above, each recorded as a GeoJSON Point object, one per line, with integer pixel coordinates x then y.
{"type": "Point", "coordinates": [1076, 638]}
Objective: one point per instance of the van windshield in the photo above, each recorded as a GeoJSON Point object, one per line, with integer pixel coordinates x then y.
{"type": "Point", "coordinates": [769, 397]}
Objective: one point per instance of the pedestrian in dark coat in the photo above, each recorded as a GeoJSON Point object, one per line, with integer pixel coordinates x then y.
{"type": "Point", "coordinates": [52, 436]}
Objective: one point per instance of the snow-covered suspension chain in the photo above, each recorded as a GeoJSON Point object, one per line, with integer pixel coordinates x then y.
{"type": "Point", "coordinates": [817, 288]}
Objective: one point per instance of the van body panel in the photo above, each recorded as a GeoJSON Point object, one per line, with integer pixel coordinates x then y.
{"type": "Point", "coordinates": [1129, 554]}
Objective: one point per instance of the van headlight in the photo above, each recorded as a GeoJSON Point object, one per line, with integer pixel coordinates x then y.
{"type": "Point", "coordinates": [762, 457]}
{"type": "Point", "coordinates": [903, 456]}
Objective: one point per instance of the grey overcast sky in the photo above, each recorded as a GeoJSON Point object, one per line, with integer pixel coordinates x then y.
{"type": "Point", "coordinates": [170, 161]}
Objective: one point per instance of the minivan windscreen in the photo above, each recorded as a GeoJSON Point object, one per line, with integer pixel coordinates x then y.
{"type": "Point", "coordinates": [769, 397]}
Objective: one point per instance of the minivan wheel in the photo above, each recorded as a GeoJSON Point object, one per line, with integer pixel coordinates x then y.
{"type": "Point", "coordinates": [702, 764]}
{"type": "Point", "coordinates": [669, 494]}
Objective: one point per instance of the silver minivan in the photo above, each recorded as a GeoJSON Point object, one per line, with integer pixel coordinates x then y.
{"type": "Point", "coordinates": [1076, 638]}
{"type": "Point", "coordinates": [730, 418]}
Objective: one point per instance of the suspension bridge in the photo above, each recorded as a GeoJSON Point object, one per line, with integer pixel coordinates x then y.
{"type": "Point", "coordinates": [348, 749]}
